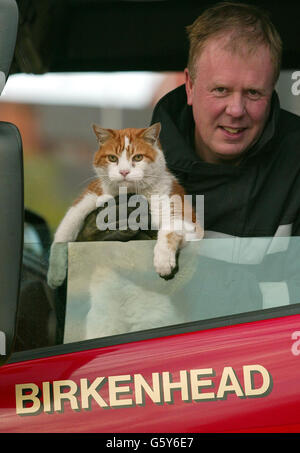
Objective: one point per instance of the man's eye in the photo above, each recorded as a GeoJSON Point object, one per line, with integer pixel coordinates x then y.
{"type": "Point", "coordinates": [112, 158]}
{"type": "Point", "coordinates": [138, 157]}
{"type": "Point", "coordinates": [220, 90]}
{"type": "Point", "coordinates": [253, 93]}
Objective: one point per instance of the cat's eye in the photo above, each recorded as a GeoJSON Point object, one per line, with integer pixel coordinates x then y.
{"type": "Point", "coordinates": [112, 158]}
{"type": "Point", "coordinates": [138, 157]}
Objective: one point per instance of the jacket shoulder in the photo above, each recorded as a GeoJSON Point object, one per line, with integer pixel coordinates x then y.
{"type": "Point", "coordinates": [288, 122]}
{"type": "Point", "coordinates": [287, 136]}
{"type": "Point", "coordinates": [172, 101]}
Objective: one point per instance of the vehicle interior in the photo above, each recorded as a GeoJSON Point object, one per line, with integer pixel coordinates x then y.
{"type": "Point", "coordinates": [106, 36]}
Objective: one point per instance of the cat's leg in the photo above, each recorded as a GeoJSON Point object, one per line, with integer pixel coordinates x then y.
{"type": "Point", "coordinates": [176, 226]}
{"type": "Point", "coordinates": [67, 231]}
{"type": "Point", "coordinates": [165, 251]}
{"type": "Point", "coordinates": [170, 237]}
{"type": "Point", "coordinates": [102, 199]}
{"type": "Point", "coordinates": [169, 242]}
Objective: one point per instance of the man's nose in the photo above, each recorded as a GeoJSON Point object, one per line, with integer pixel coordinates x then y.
{"type": "Point", "coordinates": [124, 172]}
{"type": "Point", "coordinates": [236, 106]}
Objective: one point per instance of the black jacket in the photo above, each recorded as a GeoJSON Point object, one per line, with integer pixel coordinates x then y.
{"type": "Point", "coordinates": [253, 206]}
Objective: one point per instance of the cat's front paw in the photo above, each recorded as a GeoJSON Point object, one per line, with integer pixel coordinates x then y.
{"type": "Point", "coordinates": [56, 277]}
{"type": "Point", "coordinates": [164, 261]}
{"type": "Point", "coordinates": [102, 199]}
{"type": "Point", "coordinates": [57, 265]}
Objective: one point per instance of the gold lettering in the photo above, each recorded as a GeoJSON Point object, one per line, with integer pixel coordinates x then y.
{"type": "Point", "coordinates": [141, 387]}
{"type": "Point", "coordinates": [59, 394]}
{"type": "Point", "coordinates": [232, 386]}
{"type": "Point", "coordinates": [31, 400]}
{"type": "Point", "coordinates": [249, 371]}
{"type": "Point", "coordinates": [196, 384]}
{"type": "Point", "coordinates": [46, 397]}
{"type": "Point", "coordinates": [114, 391]}
{"type": "Point", "coordinates": [21, 398]}
{"type": "Point", "coordinates": [91, 391]}
{"type": "Point", "coordinates": [169, 385]}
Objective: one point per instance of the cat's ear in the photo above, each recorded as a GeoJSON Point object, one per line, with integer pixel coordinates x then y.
{"type": "Point", "coordinates": [102, 134]}
{"type": "Point", "coordinates": [151, 134]}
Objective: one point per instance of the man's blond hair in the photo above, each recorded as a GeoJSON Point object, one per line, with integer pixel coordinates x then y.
{"type": "Point", "coordinates": [247, 27]}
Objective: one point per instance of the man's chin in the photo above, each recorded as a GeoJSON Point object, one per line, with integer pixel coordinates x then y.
{"type": "Point", "coordinates": [221, 151]}
{"type": "Point", "coordinates": [226, 155]}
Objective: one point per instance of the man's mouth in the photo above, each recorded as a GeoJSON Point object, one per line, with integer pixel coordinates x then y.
{"type": "Point", "coordinates": [233, 130]}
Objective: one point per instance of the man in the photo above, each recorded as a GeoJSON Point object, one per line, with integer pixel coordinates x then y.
{"type": "Point", "coordinates": [225, 136]}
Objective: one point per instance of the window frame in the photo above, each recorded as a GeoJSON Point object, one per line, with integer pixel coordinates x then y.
{"type": "Point", "coordinates": [189, 327]}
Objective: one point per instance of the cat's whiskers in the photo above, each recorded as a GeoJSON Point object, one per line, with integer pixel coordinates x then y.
{"type": "Point", "coordinates": [154, 176]}
{"type": "Point", "coordinates": [136, 187]}
{"type": "Point", "coordinates": [91, 178]}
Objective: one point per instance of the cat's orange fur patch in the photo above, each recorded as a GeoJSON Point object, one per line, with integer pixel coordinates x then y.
{"type": "Point", "coordinates": [186, 208]}
{"type": "Point", "coordinates": [174, 240]}
{"type": "Point", "coordinates": [94, 187]}
{"type": "Point", "coordinates": [130, 139]}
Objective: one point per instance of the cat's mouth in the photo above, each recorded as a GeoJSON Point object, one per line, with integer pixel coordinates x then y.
{"type": "Point", "coordinates": [119, 178]}
{"type": "Point", "coordinates": [131, 178]}
{"type": "Point", "coordinates": [127, 179]}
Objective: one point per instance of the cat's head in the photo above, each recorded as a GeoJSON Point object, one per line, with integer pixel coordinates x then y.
{"type": "Point", "coordinates": [129, 156]}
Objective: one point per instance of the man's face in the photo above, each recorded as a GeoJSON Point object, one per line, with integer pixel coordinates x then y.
{"type": "Point", "coordinates": [230, 98]}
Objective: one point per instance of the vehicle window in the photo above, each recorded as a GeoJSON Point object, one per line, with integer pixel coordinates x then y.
{"type": "Point", "coordinates": [113, 280]}
{"type": "Point", "coordinates": [113, 287]}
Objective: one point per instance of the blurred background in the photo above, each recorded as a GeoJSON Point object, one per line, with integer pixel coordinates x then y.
{"type": "Point", "coordinates": [55, 112]}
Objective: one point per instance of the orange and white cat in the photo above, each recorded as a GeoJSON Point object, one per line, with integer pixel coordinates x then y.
{"type": "Point", "coordinates": [132, 159]}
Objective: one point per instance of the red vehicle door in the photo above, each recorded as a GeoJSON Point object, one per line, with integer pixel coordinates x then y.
{"type": "Point", "coordinates": [241, 377]}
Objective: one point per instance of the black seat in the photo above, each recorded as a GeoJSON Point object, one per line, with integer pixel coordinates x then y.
{"type": "Point", "coordinates": [40, 317]}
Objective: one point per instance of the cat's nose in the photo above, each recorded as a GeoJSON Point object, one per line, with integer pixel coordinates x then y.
{"type": "Point", "coordinates": [124, 172]}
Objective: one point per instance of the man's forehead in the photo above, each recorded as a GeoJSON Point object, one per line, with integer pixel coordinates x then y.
{"type": "Point", "coordinates": [228, 44]}
{"type": "Point", "coordinates": [219, 61]}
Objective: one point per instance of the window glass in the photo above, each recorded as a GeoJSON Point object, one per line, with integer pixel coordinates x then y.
{"type": "Point", "coordinates": [113, 287]}
{"type": "Point", "coordinates": [218, 276]}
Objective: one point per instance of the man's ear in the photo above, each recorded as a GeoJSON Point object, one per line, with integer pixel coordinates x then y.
{"type": "Point", "coordinates": [188, 87]}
